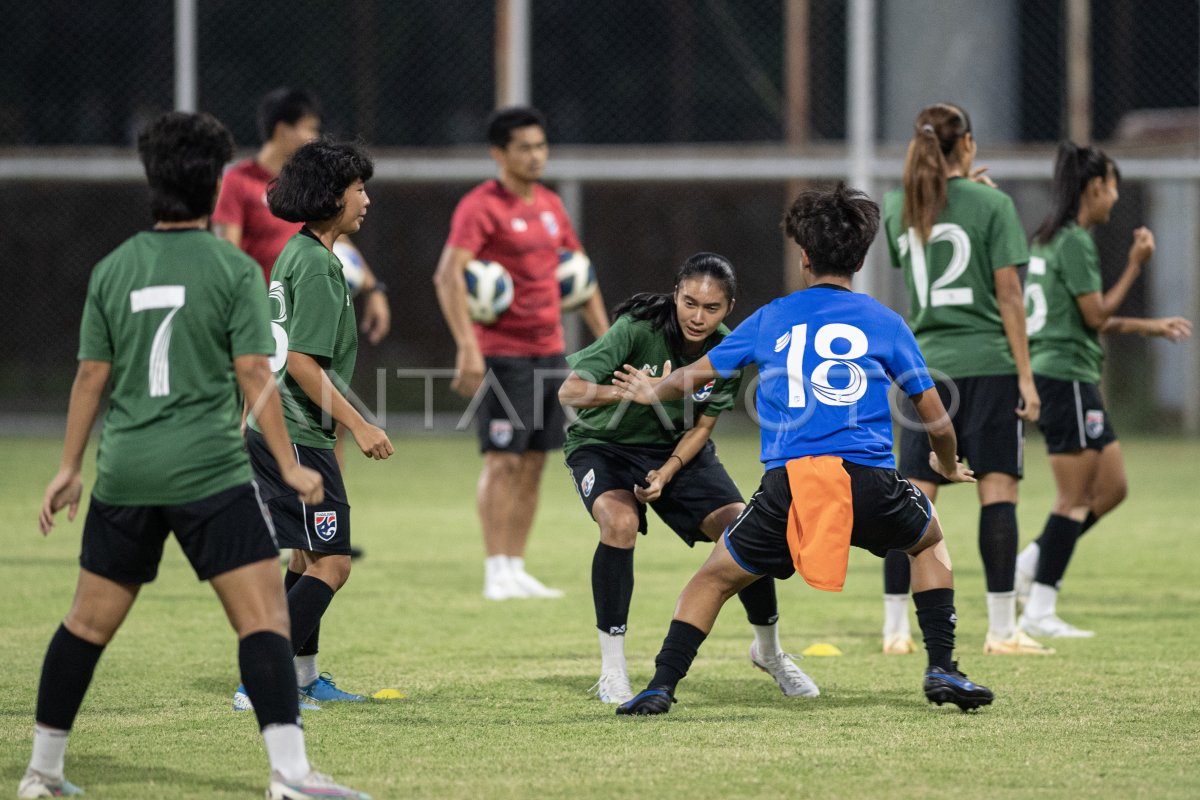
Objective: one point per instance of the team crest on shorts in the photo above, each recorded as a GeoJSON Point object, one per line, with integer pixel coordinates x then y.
{"type": "Point", "coordinates": [589, 481]}
{"type": "Point", "coordinates": [704, 392]}
{"type": "Point", "coordinates": [1094, 423]}
{"type": "Point", "coordinates": [500, 431]}
{"type": "Point", "coordinates": [325, 524]}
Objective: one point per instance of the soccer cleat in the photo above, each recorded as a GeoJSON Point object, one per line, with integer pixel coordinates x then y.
{"type": "Point", "coordinates": [899, 644]}
{"type": "Point", "coordinates": [530, 586]}
{"type": "Point", "coordinates": [501, 586]}
{"type": "Point", "coordinates": [613, 687]}
{"type": "Point", "coordinates": [1020, 645]}
{"type": "Point", "coordinates": [953, 687]}
{"type": "Point", "coordinates": [324, 690]}
{"type": "Point", "coordinates": [314, 784]}
{"type": "Point", "coordinates": [241, 701]}
{"type": "Point", "coordinates": [37, 784]}
{"type": "Point", "coordinates": [1054, 627]}
{"type": "Point", "coordinates": [792, 681]}
{"type": "Point", "coordinates": [651, 701]}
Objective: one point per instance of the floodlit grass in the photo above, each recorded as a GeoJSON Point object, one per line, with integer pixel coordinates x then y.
{"type": "Point", "coordinates": [498, 704]}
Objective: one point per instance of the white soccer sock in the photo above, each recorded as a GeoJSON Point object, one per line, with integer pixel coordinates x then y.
{"type": "Point", "coordinates": [285, 751]}
{"type": "Point", "coordinates": [494, 567]}
{"type": "Point", "coordinates": [516, 563]}
{"type": "Point", "coordinates": [1043, 601]}
{"type": "Point", "coordinates": [895, 614]}
{"type": "Point", "coordinates": [49, 749]}
{"type": "Point", "coordinates": [1027, 559]}
{"type": "Point", "coordinates": [1002, 614]}
{"type": "Point", "coordinates": [766, 639]}
{"type": "Point", "coordinates": [612, 653]}
{"type": "Point", "coordinates": [306, 669]}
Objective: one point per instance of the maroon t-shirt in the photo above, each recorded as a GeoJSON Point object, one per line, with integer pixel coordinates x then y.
{"type": "Point", "coordinates": [497, 225]}
{"type": "Point", "coordinates": [243, 202]}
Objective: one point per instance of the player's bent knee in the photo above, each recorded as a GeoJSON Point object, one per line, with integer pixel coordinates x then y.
{"type": "Point", "coordinates": [84, 626]}
{"type": "Point", "coordinates": [622, 535]}
{"type": "Point", "coordinates": [333, 570]}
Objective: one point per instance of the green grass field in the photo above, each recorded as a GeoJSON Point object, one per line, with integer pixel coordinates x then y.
{"type": "Point", "coordinates": [498, 704]}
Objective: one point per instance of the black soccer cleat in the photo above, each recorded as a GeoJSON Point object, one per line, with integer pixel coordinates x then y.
{"type": "Point", "coordinates": [651, 701]}
{"type": "Point", "coordinates": [953, 687]}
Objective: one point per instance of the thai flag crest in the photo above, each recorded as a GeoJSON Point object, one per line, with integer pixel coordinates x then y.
{"type": "Point", "coordinates": [325, 524]}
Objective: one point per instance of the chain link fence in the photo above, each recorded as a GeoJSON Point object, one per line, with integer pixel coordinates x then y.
{"type": "Point", "coordinates": [727, 104]}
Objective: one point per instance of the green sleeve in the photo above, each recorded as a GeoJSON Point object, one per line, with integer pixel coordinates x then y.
{"type": "Point", "coordinates": [891, 224]}
{"type": "Point", "coordinates": [1079, 264]}
{"type": "Point", "coordinates": [1006, 238]}
{"type": "Point", "coordinates": [599, 360]}
{"type": "Point", "coordinates": [250, 318]}
{"type": "Point", "coordinates": [316, 308]}
{"type": "Point", "coordinates": [95, 338]}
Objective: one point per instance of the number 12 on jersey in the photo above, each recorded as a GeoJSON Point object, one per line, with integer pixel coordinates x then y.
{"type": "Point", "coordinates": [852, 374]}
{"type": "Point", "coordinates": [940, 293]}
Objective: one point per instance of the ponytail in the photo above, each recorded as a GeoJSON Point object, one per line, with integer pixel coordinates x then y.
{"type": "Point", "coordinates": [1074, 169]}
{"type": "Point", "coordinates": [927, 164]}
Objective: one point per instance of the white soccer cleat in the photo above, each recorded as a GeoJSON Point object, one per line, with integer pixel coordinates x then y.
{"type": "Point", "coordinates": [530, 586]}
{"type": "Point", "coordinates": [613, 687]}
{"type": "Point", "coordinates": [241, 701]}
{"type": "Point", "coordinates": [899, 643]}
{"type": "Point", "coordinates": [792, 681]}
{"type": "Point", "coordinates": [1052, 626]}
{"type": "Point", "coordinates": [314, 784]}
{"type": "Point", "coordinates": [37, 784]}
{"type": "Point", "coordinates": [501, 585]}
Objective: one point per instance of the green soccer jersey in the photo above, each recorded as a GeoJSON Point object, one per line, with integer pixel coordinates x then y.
{"type": "Point", "coordinates": [312, 315]}
{"type": "Point", "coordinates": [170, 310]}
{"type": "Point", "coordinates": [1061, 345]}
{"type": "Point", "coordinates": [951, 286]}
{"type": "Point", "coordinates": [633, 341]}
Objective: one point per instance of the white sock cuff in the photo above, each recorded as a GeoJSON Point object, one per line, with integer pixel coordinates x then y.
{"type": "Point", "coordinates": [285, 751]}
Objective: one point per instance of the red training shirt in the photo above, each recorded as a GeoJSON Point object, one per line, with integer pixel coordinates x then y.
{"type": "Point", "coordinates": [243, 202]}
{"type": "Point", "coordinates": [497, 225]}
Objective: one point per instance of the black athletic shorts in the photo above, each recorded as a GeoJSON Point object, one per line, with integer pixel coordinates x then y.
{"type": "Point", "coordinates": [218, 533]}
{"type": "Point", "coordinates": [697, 490]}
{"type": "Point", "coordinates": [1073, 416]}
{"type": "Point", "coordinates": [519, 410]}
{"type": "Point", "coordinates": [991, 437]}
{"type": "Point", "coordinates": [323, 528]}
{"type": "Point", "coordinates": [889, 514]}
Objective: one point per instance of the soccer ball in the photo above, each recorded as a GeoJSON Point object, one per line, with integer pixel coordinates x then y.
{"type": "Point", "coordinates": [489, 290]}
{"type": "Point", "coordinates": [576, 279]}
{"type": "Point", "coordinates": [354, 269]}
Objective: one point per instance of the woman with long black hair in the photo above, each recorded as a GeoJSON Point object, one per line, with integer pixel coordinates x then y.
{"type": "Point", "coordinates": [1068, 310]}
{"type": "Point", "coordinates": [623, 457]}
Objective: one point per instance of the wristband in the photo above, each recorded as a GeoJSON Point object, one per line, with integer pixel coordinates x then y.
{"type": "Point", "coordinates": [380, 287]}
{"type": "Point", "coordinates": [677, 458]}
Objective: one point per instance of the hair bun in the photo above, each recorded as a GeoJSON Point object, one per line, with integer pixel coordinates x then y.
{"type": "Point", "coordinates": [927, 128]}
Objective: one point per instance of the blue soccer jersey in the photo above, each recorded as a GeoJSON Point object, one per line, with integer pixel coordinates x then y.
{"type": "Point", "coordinates": [826, 358]}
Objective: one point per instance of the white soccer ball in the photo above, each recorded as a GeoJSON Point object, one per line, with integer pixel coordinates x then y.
{"type": "Point", "coordinates": [489, 290]}
{"type": "Point", "coordinates": [354, 268]}
{"type": "Point", "coordinates": [576, 279]}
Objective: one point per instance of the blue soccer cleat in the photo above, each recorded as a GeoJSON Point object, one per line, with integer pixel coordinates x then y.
{"type": "Point", "coordinates": [651, 701]}
{"type": "Point", "coordinates": [324, 690]}
{"type": "Point", "coordinates": [241, 701]}
{"type": "Point", "coordinates": [38, 784]}
{"type": "Point", "coordinates": [953, 687]}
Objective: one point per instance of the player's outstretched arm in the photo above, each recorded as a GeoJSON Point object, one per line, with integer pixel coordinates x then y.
{"type": "Point", "coordinates": [308, 374]}
{"type": "Point", "coordinates": [66, 487]}
{"type": "Point", "coordinates": [262, 399]}
{"type": "Point", "coordinates": [944, 458]}
{"type": "Point", "coordinates": [451, 289]}
{"type": "Point", "coordinates": [641, 388]}
{"type": "Point", "coordinates": [1010, 296]}
{"type": "Point", "coordinates": [578, 392]}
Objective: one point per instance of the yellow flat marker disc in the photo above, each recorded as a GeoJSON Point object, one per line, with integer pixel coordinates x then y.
{"type": "Point", "coordinates": [389, 694]}
{"type": "Point", "coordinates": [821, 649]}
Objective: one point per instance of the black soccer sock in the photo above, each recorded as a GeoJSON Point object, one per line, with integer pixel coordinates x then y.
{"type": "Point", "coordinates": [998, 545]}
{"type": "Point", "coordinates": [1058, 543]}
{"type": "Point", "coordinates": [759, 601]}
{"type": "Point", "coordinates": [897, 572]}
{"type": "Point", "coordinates": [309, 648]}
{"type": "Point", "coordinates": [307, 602]}
{"type": "Point", "coordinates": [935, 615]}
{"type": "Point", "coordinates": [66, 674]}
{"type": "Point", "coordinates": [265, 659]}
{"type": "Point", "coordinates": [678, 651]}
{"type": "Point", "coordinates": [1090, 520]}
{"type": "Point", "coordinates": [612, 587]}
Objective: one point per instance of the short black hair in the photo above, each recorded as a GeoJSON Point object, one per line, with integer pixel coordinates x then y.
{"type": "Point", "coordinates": [286, 105]}
{"type": "Point", "coordinates": [312, 182]}
{"type": "Point", "coordinates": [506, 120]}
{"type": "Point", "coordinates": [834, 226]}
{"type": "Point", "coordinates": [184, 155]}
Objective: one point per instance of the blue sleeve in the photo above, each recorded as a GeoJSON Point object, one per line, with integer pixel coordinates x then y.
{"type": "Point", "coordinates": [907, 366]}
{"type": "Point", "coordinates": [737, 349]}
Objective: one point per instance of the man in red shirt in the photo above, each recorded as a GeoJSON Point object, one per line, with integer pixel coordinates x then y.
{"type": "Point", "coordinates": [515, 221]}
{"type": "Point", "coordinates": [288, 119]}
